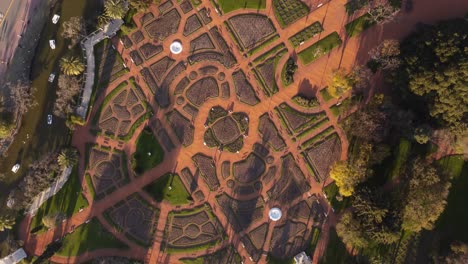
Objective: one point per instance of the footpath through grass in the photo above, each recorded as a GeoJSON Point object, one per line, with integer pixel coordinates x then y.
{"type": "Point", "coordinates": [67, 201]}
{"type": "Point", "coordinates": [148, 154]}
{"type": "Point", "coordinates": [320, 48]}
{"type": "Point", "coordinates": [160, 191]}
{"type": "Point", "coordinates": [89, 237]}
{"type": "Point", "coordinates": [231, 5]}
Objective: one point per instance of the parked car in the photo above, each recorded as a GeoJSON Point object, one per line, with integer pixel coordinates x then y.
{"type": "Point", "coordinates": [51, 77]}
{"type": "Point", "coordinates": [16, 168]}
{"type": "Point", "coordinates": [52, 43]}
{"type": "Point", "coordinates": [49, 119]}
{"type": "Point", "coordinates": [55, 18]}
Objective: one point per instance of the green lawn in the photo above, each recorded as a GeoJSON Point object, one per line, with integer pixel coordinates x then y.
{"type": "Point", "coordinates": [67, 201]}
{"type": "Point", "coordinates": [148, 154]}
{"type": "Point", "coordinates": [331, 190]}
{"type": "Point", "coordinates": [400, 157]}
{"type": "Point", "coordinates": [320, 48]}
{"type": "Point", "coordinates": [88, 237]}
{"type": "Point", "coordinates": [231, 5]}
{"type": "Point", "coordinates": [325, 94]}
{"type": "Point", "coordinates": [159, 190]}
{"type": "Point", "coordinates": [358, 25]}
{"type": "Point", "coordinates": [335, 252]}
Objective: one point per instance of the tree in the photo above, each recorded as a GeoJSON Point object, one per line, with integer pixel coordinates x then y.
{"type": "Point", "coordinates": [426, 198]}
{"type": "Point", "coordinates": [68, 88]}
{"type": "Point", "coordinates": [360, 77]}
{"type": "Point", "coordinates": [6, 222]}
{"type": "Point", "coordinates": [387, 54]}
{"type": "Point", "coordinates": [339, 84]}
{"type": "Point", "coordinates": [71, 65]}
{"type": "Point", "coordinates": [51, 220]}
{"type": "Point", "coordinates": [381, 11]}
{"type": "Point", "coordinates": [422, 134]}
{"type": "Point", "coordinates": [291, 68]}
{"type": "Point", "coordinates": [348, 174]}
{"type": "Point", "coordinates": [140, 5]}
{"type": "Point", "coordinates": [21, 94]}
{"type": "Point", "coordinates": [350, 231]}
{"type": "Point", "coordinates": [115, 9]}
{"type": "Point", "coordinates": [103, 20]}
{"type": "Point", "coordinates": [74, 29]}
{"type": "Point", "coordinates": [68, 157]}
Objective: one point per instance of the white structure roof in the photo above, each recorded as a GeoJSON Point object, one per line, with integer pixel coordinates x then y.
{"type": "Point", "coordinates": [176, 47]}
{"type": "Point", "coordinates": [302, 258]}
{"type": "Point", "coordinates": [14, 258]}
{"type": "Point", "coordinates": [275, 214]}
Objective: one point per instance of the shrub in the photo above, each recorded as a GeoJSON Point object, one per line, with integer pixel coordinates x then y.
{"type": "Point", "coordinates": [305, 102]}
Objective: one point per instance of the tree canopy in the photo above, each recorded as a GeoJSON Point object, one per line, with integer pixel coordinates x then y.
{"type": "Point", "coordinates": [435, 67]}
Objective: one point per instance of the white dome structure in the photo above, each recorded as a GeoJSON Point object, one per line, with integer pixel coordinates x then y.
{"type": "Point", "coordinates": [176, 47]}
{"type": "Point", "coordinates": [275, 214]}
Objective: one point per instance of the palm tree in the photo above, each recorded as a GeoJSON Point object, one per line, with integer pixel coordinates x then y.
{"type": "Point", "coordinates": [68, 157]}
{"type": "Point", "coordinates": [71, 65]}
{"type": "Point", "coordinates": [115, 8]}
{"type": "Point", "coordinates": [6, 222]}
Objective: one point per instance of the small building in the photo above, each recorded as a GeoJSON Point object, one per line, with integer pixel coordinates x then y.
{"type": "Point", "coordinates": [302, 258]}
{"type": "Point", "coordinates": [14, 258]}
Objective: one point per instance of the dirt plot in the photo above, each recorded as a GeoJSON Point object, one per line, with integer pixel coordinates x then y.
{"type": "Point", "coordinates": [291, 184]}
{"type": "Point", "coordinates": [244, 90]}
{"type": "Point", "coordinates": [241, 214]}
{"type": "Point", "coordinates": [249, 170]}
{"type": "Point", "coordinates": [202, 90]}
{"type": "Point", "coordinates": [270, 134]}
{"type": "Point", "coordinates": [193, 228]}
{"type": "Point", "coordinates": [191, 25]}
{"type": "Point", "coordinates": [289, 239]}
{"type": "Point", "coordinates": [160, 67]}
{"type": "Point", "coordinates": [207, 170]}
{"type": "Point", "coordinates": [149, 50]}
{"type": "Point", "coordinates": [164, 26]}
{"type": "Point", "coordinates": [321, 157]}
{"type": "Point", "coordinates": [251, 28]}
{"type": "Point", "coordinates": [136, 218]}
{"type": "Point", "coordinates": [181, 126]}
{"type": "Point", "coordinates": [201, 42]}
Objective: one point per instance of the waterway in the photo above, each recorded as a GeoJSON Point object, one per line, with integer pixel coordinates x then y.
{"type": "Point", "coordinates": [36, 137]}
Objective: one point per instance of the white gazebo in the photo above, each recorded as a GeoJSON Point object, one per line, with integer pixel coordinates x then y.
{"type": "Point", "coordinates": [275, 214]}
{"type": "Point", "coordinates": [176, 47]}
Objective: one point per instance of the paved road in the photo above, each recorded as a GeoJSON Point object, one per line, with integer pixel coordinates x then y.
{"type": "Point", "coordinates": [12, 26]}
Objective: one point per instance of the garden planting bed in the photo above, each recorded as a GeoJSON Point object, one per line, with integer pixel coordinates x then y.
{"type": "Point", "coordinates": [187, 177]}
{"type": "Point", "coordinates": [244, 90]}
{"type": "Point", "coordinates": [160, 67]}
{"type": "Point", "coordinates": [201, 42]}
{"type": "Point", "coordinates": [164, 7]}
{"type": "Point", "coordinates": [226, 130]}
{"type": "Point", "coordinates": [149, 50]}
{"type": "Point", "coordinates": [136, 218]}
{"type": "Point", "coordinates": [165, 140]}
{"type": "Point", "coordinates": [241, 214]}
{"type": "Point", "coordinates": [249, 170]}
{"type": "Point", "coordinates": [149, 79]}
{"type": "Point", "coordinates": [270, 134]}
{"type": "Point", "coordinates": [202, 90]}
{"type": "Point", "coordinates": [180, 87]}
{"type": "Point", "coordinates": [321, 157]}
{"type": "Point", "coordinates": [254, 253]}
{"type": "Point", "coordinates": [136, 58]}
{"type": "Point", "coordinates": [258, 236]}
{"type": "Point", "coordinates": [127, 42]}
{"type": "Point", "coordinates": [207, 169]}
{"type": "Point", "coordinates": [164, 26]}
{"type": "Point", "coordinates": [181, 126]}
{"type": "Point", "coordinates": [206, 18]}
{"type": "Point", "coordinates": [137, 37]}
{"type": "Point", "coordinates": [191, 25]}
{"type": "Point", "coordinates": [306, 34]}
{"type": "Point", "coordinates": [107, 174]}
{"type": "Point", "coordinates": [191, 110]}
{"type": "Point", "coordinates": [186, 6]}
{"type": "Point", "coordinates": [193, 228]}
{"type": "Point", "coordinates": [162, 94]}
{"type": "Point", "coordinates": [296, 121]}
{"type": "Point", "coordinates": [289, 239]}
{"type": "Point", "coordinates": [229, 59]}
{"type": "Point", "coordinates": [288, 11]}
{"type": "Point", "coordinates": [291, 184]}
{"type": "Point", "coordinates": [320, 48]}
{"type": "Point", "coordinates": [146, 17]}
{"type": "Point", "coordinates": [251, 29]}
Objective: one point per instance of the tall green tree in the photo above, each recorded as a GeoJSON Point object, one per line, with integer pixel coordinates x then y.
{"type": "Point", "coordinates": [71, 65]}
{"type": "Point", "coordinates": [140, 5]}
{"type": "Point", "coordinates": [115, 8]}
{"type": "Point", "coordinates": [6, 222]}
{"type": "Point", "coordinates": [68, 157]}
{"type": "Point", "coordinates": [426, 198]}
